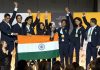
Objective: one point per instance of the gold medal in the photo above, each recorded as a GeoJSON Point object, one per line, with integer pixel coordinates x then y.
{"type": "Point", "coordinates": [62, 36]}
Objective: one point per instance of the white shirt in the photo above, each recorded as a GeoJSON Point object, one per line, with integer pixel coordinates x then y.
{"type": "Point", "coordinates": [90, 31]}
{"type": "Point", "coordinates": [28, 27]}
{"type": "Point", "coordinates": [61, 31]}
{"type": "Point", "coordinates": [76, 34]}
{"type": "Point", "coordinates": [77, 29]}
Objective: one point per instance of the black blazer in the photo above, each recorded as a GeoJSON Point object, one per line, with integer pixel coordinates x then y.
{"type": "Point", "coordinates": [17, 29]}
{"type": "Point", "coordinates": [6, 29]}
{"type": "Point", "coordinates": [80, 33]}
{"type": "Point", "coordinates": [48, 29]}
{"type": "Point", "coordinates": [95, 38]}
{"type": "Point", "coordinates": [65, 32]}
{"type": "Point", "coordinates": [35, 23]}
{"type": "Point", "coordinates": [39, 30]}
{"type": "Point", "coordinates": [4, 58]}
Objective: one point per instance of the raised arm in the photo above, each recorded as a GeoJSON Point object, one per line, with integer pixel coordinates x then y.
{"type": "Point", "coordinates": [38, 16]}
{"type": "Point", "coordinates": [36, 20]}
{"type": "Point", "coordinates": [85, 20]}
{"type": "Point", "coordinates": [70, 18]}
{"type": "Point", "coordinates": [46, 20]}
{"type": "Point", "coordinates": [67, 19]}
{"type": "Point", "coordinates": [14, 13]}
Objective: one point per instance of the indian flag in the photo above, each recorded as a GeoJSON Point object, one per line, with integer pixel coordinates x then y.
{"type": "Point", "coordinates": [37, 47]}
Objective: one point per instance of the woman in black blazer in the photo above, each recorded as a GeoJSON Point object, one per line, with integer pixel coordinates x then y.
{"type": "Point", "coordinates": [76, 36]}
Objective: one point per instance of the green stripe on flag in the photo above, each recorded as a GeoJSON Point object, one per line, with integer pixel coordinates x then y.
{"type": "Point", "coordinates": [38, 55]}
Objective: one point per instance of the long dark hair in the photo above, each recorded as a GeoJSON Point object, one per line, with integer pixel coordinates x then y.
{"type": "Point", "coordinates": [27, 18]}
{"type": "Point", "coordinates": [79, 19]}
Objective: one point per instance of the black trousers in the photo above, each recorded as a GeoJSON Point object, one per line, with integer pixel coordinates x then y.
{"type": "Point", "coordinates": [75, 45]}
{"type": "Point", "coordinates": [64, 52]}
{"type": "Point", "coordinates": [90, 51]}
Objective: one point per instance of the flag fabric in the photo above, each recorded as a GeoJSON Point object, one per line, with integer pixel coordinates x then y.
{"type": "Point", "coordinates": [37, 47]}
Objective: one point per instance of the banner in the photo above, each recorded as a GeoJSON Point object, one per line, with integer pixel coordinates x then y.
{"type": "Point", "coordinates": [37, 47]}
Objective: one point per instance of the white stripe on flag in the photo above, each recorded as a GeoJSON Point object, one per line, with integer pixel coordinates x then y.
{"type": "Point", "coordinates": [38, 47]}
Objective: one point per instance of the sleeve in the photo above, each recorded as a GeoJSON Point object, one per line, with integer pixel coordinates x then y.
{"type": "Point", "coordinates": [36, 22]}
{"type": "Point", "coordinates": [72, 20]}
{"type": "Point", "coordinates": [4, 29]}
{"type": "Point", "coordinates": [99, 36]}
{"type": "Point", "coordinates": [85, 21]}
{"type": "Point", "coordinates": [13, 16]}
{"type": "Point", "coordinates": [67, 21]}
{"type": "Point", "coordinates": [82, 36]}
{"type": "Point", "coordinates": [14, 29]}
{"type": "Point", "coordinates": [46, 24]}
{"type": "Point", "coordinates": [38, 28]}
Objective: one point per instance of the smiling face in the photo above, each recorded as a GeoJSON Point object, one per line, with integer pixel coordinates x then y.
{"type": "Point", "coordinates": [29, 21]}
{"type": "Point", "coordinates": [77, 22]}
{"type": "Point", "coordinates": [93, 21]}
{"type": "Point", "coordinates": [63, 23]}
{"type": "Point", "coordinates": [41, 26]}
{"type": "Point", "coordinates": [19, 19]}
{"type": "Point", "coordinates": [7, 18]}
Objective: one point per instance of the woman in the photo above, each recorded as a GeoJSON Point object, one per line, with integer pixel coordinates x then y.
{"type": "Point", "coordinates": [4, 57]}
{"type": "Point", "coordinates": [29, 24]}
{"type": "Point", "coordinates": [76, 36]}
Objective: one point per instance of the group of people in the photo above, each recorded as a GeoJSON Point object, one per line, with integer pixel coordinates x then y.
{"type": "Point", "coordinates": [67, 41]}
{"type": "Point", "coordinates": [75, 40]}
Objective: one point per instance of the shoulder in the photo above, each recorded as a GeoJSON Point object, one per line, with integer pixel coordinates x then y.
{"type": "Point", "coordinates": [15, 24]}
{"type": "Point", "coordinates": [66, 28]}
{"type": "Point", "coordinates": [97, 27]}
{"type": "Point", "coordinates": [2, 22]}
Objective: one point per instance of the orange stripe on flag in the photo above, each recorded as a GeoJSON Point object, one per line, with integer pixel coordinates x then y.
{"type": "Point", "coordinates": [35, 38]}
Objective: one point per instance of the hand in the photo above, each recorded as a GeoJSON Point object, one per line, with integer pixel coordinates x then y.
{"type": "Point", "coordinates": [97, 47]}
{"type": "Point", "coordinates": [88, 67]}
{"type": "Point", "coordinates": [29, 34]}
{"type": "Point", "coordinates": [38, 14]}
{"type": "Point", "coordinates": [29, 11]}
{"type": "Point", "coordinates": [15, 33]}
{"type": "Point", "coordinates": [16, 41]}
{"type": "Point", "coordinates": [67, 10]}
{"type": "Point", "coordinates": [13, 53]}
{"type": "Point", "coordinates": [16, 4]}
{"type": "Point", "coordinates": [51, 38]}
{"type": "Point", "coordinates": [53, 29]}
{"type": "Point", "coordinates": [81, 48]}
{"type": "Point", "coordinates": [46, 14]}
